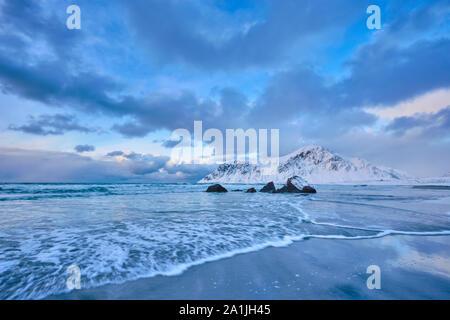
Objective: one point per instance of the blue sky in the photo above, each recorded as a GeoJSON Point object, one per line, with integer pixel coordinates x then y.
{"type": "Point", "coordinates": [100, 103]}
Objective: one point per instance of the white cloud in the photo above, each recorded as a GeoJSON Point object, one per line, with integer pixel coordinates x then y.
{"type": "Point", "coordinates": [430, 102]}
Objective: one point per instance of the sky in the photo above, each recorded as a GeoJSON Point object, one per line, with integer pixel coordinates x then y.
{"type": "Point", "coordinates": [99, 104]}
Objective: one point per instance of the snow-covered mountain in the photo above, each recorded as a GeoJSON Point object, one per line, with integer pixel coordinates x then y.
{"type": "Point", "coordinates": [315, 164]}
{"type": "Point", "coordinates": [444, 180]}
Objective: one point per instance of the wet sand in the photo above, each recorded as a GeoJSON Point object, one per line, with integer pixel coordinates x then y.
{"type": "Point", "coordinates": [412, 267]}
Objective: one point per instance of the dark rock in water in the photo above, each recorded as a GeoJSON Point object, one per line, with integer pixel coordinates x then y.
{"type": "Point", "coordinates": [237, 190]}
{"type": "Point", "coordinates": [308, 189]}
{"type": "Point", "coordinates": [270, 187]}
{"type": "Point", "coordinates": [251, 190]}
{"type": "Point", "coordinates": [283, 189]}
{"type": "Point", "coordinates": [291, 188]}
{"type": "Point", "coordinates": [296, 184]}
{"type": "Point", "coordinates": [216, 188]}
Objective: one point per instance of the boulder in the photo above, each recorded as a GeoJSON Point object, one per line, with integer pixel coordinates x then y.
{"type": "Point", "coordinates": [251, 190]}
{"type": "Point", "coordinates": [270, 187]}
{"type": "Point", "coordinates": [296, 184]}
{"type": "Point", "coordinates": [216, 188]}
{"type": "Point", "coordinates": [283, 189]}
{"type": "Point", "coordinates": [308, 189]}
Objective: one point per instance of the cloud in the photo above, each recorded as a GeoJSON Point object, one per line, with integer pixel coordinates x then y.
{"type": "Point", "coordinates": [430, 102]}
{"type": "Point", "coordinates": [50, 166]}
{"type": "Point", "coordinates": [192, 172]}
{"type": "Point", "coordinates": [52, 83]}
{"type": "Point", "coordinates": [435, 125]}
{"type": "Point", "coordinates": [84, 148]}
{"type": "Point", "coordinates": [389, 69]}
{"type": "Point", "coordinates": [206, 36]}
{"type": "Point", "coordinates": [170, 143]}
{"type": "Point", "coordinates": [378, 77]}
{"type": "Point", "coordinates": [288, 46]}
{"type": "Point", "coordinates": [114, 153]}
{"type": "Point", "coordinates": [168, 111]}
{"type": "Point", "coordinates": [412, 152]}
{"type": "Point", "coordinates": [26, 22]}
{"type": "Point", "coordinates": [140, 164]}
{"type": "Point", "coordinates": [57, 124]}
{"type": "Point", "coordinates": [18, 165]}
{"type": "Point", "coordinates": [143, 164]}
{"type": "Point", "coordinates": [382, 76]}
{"type": "Point", "coordinates": [380, 72]}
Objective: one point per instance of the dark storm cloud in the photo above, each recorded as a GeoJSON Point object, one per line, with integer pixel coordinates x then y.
{"type": "Point", "coordinates": [386, 70]}
{"type": "Point", "coordinates": [388, 75]}
{"type": "Point", "coordinates": [292, 94]}
{"type": "Point", "coordinates": [25, 18]}
{"type": "Point", "coordinates": [53, 84]}
{"type": "Point", "coordinates": [378, 77]}
{"type": "Point", "coordinates": [140, 164]}
{"type": "Point", "coordinates": [114, 153]}
{"type": "Point", "coordinates": [19, 165]}
{"type": "Point", "coordinates": [164, 111]}
{"type": "Point", "coordinates": [193, 32]}
{"type": "Point", "coordinates": [393, 67]}
{"type": "Point", "coordinates": [194, 171]}
{"type": "Point", "coordinates": [84, 148]}
{"type": "Point", "coordinates": [49, 166]}
{"type": "Point", "coordinates": [57, 124]}
{"type": "Point", "coordinates": [436, 125]}
{"type": "Point", "coordinates": [143, 164]}
{"type": "Point", "coordinates": [402, 61]}
{"type": "Point", "coordinates": [170, 143]}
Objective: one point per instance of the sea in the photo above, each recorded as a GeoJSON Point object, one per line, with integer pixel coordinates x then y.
{"type": "Point", "coordinates": [116, 233]}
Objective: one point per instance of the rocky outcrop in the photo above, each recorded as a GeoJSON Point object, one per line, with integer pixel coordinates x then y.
{"type": "Point", "coordinates": [251, 190]}
{"type": "Point", "coordinates": [216, 188]}
{"type": "Point", "coordinates": [296, 184]}
{"type": "Point", "coordinates": [270, 187]}
{"type": "Point", "coordinates": [283, 189]}
{"type": "Point", "coordinates": [308, 189]}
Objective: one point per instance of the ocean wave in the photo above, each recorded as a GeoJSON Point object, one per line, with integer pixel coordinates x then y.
{"type": "Point", "coordinates": [54, 190]}
{"type": "Point", "coordinates": [432, 187]}
{"type": "Point", "coordinates": [124, 271]}
{"type": "Point", "coordinates": [30, 193]}
{"type": "Point", "coordinates": [178, 269]}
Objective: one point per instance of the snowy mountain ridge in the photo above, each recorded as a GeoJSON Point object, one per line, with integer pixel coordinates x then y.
{"type": "Point", "coordinates": [315, 164]}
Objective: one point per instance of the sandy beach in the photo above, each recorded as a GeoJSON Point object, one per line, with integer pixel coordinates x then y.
{"type": "Point", "coordinates": [412, 267]}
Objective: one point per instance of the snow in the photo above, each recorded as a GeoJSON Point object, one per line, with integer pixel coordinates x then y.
{"type": "Point", "coordinates": [445, 180]}
{"type": "Point", "coordinates": [315, 164]}
{"type": "Point", "coordinates": [298, 182]}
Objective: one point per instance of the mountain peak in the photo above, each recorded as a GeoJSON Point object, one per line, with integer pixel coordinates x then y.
{"type": "Point", "coordinates": [314, 163]}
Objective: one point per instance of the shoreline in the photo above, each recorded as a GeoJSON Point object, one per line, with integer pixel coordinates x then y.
{"type": "Point", "coordinates": [412, 267]}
